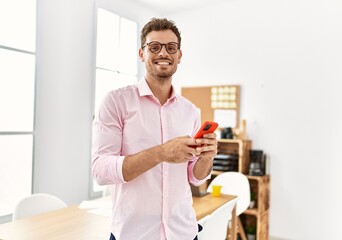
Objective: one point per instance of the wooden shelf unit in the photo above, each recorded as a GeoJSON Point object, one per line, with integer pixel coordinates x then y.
{"type": "Point", "coordinates": [239, 147]}
{"type": "Point", "coordinates": [260, 185]}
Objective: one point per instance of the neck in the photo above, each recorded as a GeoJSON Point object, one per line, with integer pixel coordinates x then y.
{"type": "Point", "coordinates": [161, 88]}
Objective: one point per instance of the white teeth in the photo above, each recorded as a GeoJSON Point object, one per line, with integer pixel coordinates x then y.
{"type": "Point", "coordinates": [163, 63]}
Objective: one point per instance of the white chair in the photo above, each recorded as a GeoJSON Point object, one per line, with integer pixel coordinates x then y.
{"type": "Point", "coordinates": [235, 183]}
{"type": "Point", "coordinates": [36, 204]}
{"type": "Point", "coordinates": [215, 225]}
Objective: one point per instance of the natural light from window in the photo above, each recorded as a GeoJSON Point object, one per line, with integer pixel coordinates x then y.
{"type": "Point", "coordinates": [116, 57]}
{"type": "Point", "coordinates": [17, 89]}
{"type": "Point", "coordinates": [18, 24]}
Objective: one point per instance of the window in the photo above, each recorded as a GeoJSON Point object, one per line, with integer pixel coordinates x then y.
{"type": "Point", "coordinates": [116, 57]}
{"type": "Point", "coordinates": [17, 82]}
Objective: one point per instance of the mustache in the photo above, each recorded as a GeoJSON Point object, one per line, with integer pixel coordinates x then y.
{"type": "Point", "coordinates": [163, 59]}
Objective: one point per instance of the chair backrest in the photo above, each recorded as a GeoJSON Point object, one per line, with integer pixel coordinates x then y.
{"type": "Point", "coordinates": [234, 183]}
{"type": "Point", "coordinates": [215, 225]}
{"type": "Point", "coordinates": [36, 204]}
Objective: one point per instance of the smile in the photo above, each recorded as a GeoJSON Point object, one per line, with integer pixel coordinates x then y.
{"type": "Point", "coordinates": [162, 63]}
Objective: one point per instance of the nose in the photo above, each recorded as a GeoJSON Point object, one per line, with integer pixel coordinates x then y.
{"type": "Point", "coordinates": [163, 51]}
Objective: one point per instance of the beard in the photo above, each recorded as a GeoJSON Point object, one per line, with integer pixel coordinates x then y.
{"type": "Point", "coordinates": [164, 75]}
{"type": "Point", "coordinates": [160, 73]}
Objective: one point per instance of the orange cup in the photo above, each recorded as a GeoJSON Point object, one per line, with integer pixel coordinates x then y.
{"type": "Point", "coordinates": [216, 190]}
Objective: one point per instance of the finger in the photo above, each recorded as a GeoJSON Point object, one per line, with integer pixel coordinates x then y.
{"type": "Point", "coordinates": [206, 141]}
{"type": "Point", "coordinates": [210, 135]}
{"type": "Point", "coordinates": [194, 151]}
{"type": "Point", "coordinates": [188, 157]}
{"type": "Point", "coordinates": [192, 142]}
{"type": "Point", "coordinates": [184, 137]}
{"type": "Point", "coordinates": [206, 148]}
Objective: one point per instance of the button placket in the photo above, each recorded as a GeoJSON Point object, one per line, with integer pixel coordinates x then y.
{"type": "Point", "coordinates": [165, 196]}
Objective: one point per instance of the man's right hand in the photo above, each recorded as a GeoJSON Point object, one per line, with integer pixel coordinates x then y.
{"type": "Point", "coordinates": [179, 150]}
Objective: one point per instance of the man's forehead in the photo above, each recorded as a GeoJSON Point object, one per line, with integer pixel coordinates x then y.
{"type": "Point", "coordinates": [167, 35]}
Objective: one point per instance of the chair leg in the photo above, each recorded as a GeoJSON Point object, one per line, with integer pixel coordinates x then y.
{"type": "Point", "coordinates": [228, 237]}
{"type": "Point", "coordinates": [240, 229]}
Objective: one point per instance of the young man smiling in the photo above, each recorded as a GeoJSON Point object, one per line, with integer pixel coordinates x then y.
{"type": "Point", "coordinates": [142, 146]}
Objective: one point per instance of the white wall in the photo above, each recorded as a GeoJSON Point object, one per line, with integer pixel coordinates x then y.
{"type": "Point", "coordinates": [64, 93]}
{"type": "Point", "coordinates": [63, 98]}
{"type": "Point", "coordinates": [287, 57]}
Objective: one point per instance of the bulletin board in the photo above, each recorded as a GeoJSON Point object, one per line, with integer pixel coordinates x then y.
{"type": "Point", "coordinates": [216, 103]}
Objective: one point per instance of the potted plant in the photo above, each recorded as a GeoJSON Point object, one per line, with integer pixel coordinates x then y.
{"type": "Point", "coordinates": [253, 200]}
{"type": "Point", "coordinates": [251, 231]}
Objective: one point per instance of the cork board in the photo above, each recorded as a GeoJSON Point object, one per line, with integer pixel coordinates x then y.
{"type": "Point", "coordinates": [211, 98]}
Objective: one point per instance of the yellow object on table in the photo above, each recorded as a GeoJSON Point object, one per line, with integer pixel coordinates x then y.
{"type": "Point", "coordinates": [216, 190]}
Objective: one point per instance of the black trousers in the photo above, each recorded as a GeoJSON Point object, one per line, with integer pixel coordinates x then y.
{"type": "Point", "coordinates": [199, 229]}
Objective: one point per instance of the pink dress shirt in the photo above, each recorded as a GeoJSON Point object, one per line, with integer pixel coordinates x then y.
{"type": "Point", "coordinates": [158, 203]}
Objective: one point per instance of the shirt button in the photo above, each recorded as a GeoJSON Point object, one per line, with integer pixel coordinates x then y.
{"type": "Point", "coordinates": [165, 196]}
{"type": "Point", "coordinates": [165, 173]}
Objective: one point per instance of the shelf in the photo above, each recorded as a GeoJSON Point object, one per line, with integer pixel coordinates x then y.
{"type": "Point", "coordinates": [236, 147]}
{"type": "Point", "coordinates": [230, 140]}
{"type": "Point", "coordinates": [260, 187]}
{"type": "Point", "coordinates": [257, 178]}
{"type": "Point", "coordinates": [259, 215]}
{"type": "Point", "coordinates": [215, 172]}
{"type": "Point", "coordinates": [251, 211]}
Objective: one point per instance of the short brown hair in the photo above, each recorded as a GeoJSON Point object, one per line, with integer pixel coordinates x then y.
{"type": "Point", "coordinates": [159, 24]}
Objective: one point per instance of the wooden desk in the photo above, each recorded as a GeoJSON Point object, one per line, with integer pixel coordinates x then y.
{"type": "Point", "coordinates": [63, 224]}
{"type": "Point", "coordinates": [74, 223]}
{"type": "Point", "coordinates": [207, 204]}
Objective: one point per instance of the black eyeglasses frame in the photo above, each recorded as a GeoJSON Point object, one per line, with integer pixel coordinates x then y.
{"type": "Point", "coordinates": [161, 44]}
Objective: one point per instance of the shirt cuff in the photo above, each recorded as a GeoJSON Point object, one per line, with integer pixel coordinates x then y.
{"type": "Point", "coordinates": [118, 169]}
{"type": "Point", "coordinates": [192, 179]}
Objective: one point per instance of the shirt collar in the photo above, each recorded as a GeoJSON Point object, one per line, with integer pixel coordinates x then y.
{"type": "Point", "coordinates": [144, 90]}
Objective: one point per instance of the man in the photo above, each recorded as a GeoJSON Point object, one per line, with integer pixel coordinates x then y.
{"type": "Point", "coordinates": [142, 146]}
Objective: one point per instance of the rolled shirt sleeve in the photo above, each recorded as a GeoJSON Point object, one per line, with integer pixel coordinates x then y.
{"type": "Point", "coordinates": [191, 177]}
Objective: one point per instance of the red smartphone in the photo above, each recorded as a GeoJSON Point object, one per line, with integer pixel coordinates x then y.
{"type": "Point", "coordinates": [207, 127]}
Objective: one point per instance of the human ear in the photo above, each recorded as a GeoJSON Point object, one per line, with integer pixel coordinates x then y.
{"type": "Point", "coordinates": [141, 55]}
{"type": "Point", "coordinates": [180, 54]}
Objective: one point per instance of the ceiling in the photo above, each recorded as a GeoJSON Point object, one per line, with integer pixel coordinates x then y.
{"type": "Point", "coordinates": [166, 7]}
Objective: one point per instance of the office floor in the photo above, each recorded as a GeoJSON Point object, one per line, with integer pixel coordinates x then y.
{"type": "Point", "coordinates": [276, 238]}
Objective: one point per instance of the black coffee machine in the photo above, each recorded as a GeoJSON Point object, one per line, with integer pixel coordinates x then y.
{"type": "Point", "coordinates": [257, 163]}
{"type": "Point", "coordinates": [227, 133]}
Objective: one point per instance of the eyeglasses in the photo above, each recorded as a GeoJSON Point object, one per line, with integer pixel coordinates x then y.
{"type": "Point", "coordinates": [156, 47]}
